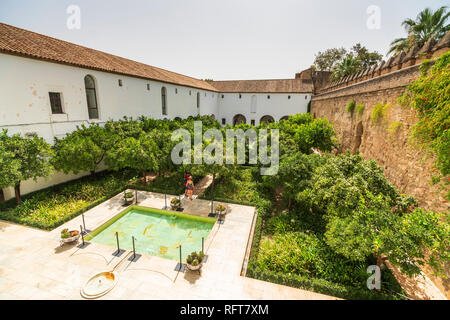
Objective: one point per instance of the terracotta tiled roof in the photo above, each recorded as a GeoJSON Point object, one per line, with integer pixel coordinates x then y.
{"type": "Point", "coordinates": [29, 44]}
{"type": "Point", "coordinates": [265, 86]}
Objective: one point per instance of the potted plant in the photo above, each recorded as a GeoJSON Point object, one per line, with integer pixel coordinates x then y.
{"type": "Point", "coordinates": [175, 203]}
{"type": "Point", "coordinates": [194, 261]}
{"type": "Point", "coordinates": [69, 236]}
{"type": "Point", "coordinates": [128, 197]}
{"type": "Point", "coordinates": [220, 208]}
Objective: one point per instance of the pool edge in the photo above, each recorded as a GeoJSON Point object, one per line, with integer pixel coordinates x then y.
{"type": "Point", "coordinates": [119, 215]}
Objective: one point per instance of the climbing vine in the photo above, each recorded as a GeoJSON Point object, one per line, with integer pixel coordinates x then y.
{"type": "Point", "coordinates": [430, 96]}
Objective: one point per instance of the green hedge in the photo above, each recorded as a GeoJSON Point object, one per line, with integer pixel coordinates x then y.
{"type": "Point", "coordinates": [70, 216]}
{"type": "Point", "coordinates": [321, 286]}
{"type": "Point", "coordinates": [53, 206]}
{"type": "Point", "coordinates": [311, 284]}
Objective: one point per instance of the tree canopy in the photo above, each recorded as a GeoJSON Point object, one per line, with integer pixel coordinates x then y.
{"type": "Point", "coordinates": [342, 62]}
{"type": "Point", "coordinates": [82, 149]}
{"type": "Point", "coordinates": [428, 25]}
{"type": "Point", "coordinates": [22, 159]}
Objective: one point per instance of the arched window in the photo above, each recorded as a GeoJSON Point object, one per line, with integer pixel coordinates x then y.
{"type": "Point", "coordinates": [239, 119]}
{"type": "Point", "coordinates": [284, 118]}
{"type": "Point", "coordinates": [91, 96]}
{"type": "Point", "coordinates": [164, 101]}
{"type": "Point", "coordinates": [266, 119]}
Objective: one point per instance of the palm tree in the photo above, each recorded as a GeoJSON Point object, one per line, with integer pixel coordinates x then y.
{"type": "Point", "coordinates": [346, 67]}
{"type": "Point", "coordinates": [428, 24]}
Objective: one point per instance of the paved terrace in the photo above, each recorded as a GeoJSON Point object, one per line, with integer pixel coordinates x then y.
{"type": "Point", "coordinates": [34, 266]}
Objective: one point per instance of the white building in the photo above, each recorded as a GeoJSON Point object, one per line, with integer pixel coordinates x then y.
{"type": "Point", "coordinates": [49, 86]}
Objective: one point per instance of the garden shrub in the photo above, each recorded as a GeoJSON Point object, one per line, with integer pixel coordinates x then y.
{"type": "Point", "coordinates": [49, 208]}
{"type": "Point", "coordinates": [323, 286]}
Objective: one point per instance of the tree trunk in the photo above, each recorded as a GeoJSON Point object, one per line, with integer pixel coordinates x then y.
{"type": "Point", "coordinates": [289, 203]}
{"type": "Point", "coordinates": [17, 192]}
{"type": "Point", "coordinates": [144, 176]}
{"type": "Point", "coordinates": [212, 186]}
{"type": "Point", "coordinates": [2, 196]}
{"type": "Point", "coordinates": [380, 262]}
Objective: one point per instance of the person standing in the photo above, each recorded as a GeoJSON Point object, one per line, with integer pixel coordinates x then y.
{"type": "Point", "coordinates": [189, 188]}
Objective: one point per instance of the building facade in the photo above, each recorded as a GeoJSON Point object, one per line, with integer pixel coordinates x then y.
{"type": "Point", "coordinates": [49, 87]}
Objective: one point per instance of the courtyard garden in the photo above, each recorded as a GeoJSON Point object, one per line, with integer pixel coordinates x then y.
{"type": "Point", "coordinates": [322, 218]}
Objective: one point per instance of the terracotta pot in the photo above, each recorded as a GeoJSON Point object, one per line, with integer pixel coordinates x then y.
{"type": "Point", "coordinates": [74, 233]}
{"type": "Point", "coordinates": [74, 236]}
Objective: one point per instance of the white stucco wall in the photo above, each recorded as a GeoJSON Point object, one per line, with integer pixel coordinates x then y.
{"type": "Point", "coordinates": [25, 105]}
{"type": "Point", "coordinates": [277, 106]}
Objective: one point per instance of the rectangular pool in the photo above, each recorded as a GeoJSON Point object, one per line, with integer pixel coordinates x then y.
{"type": "Point", "coordinates": [157, 232]}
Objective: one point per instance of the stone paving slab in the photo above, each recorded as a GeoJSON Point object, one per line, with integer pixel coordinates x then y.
{"type": "Point", "coordinates": [33, 265]}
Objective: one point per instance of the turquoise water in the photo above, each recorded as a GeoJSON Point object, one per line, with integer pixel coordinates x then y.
{"type": "Point", "coordinates": [156, 234]}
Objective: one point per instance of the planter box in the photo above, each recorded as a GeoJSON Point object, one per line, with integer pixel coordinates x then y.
{"type": "Point", "coordinates": [194, 268]}
{"type": "Point", "coordinates": [222, 213]}
{"type": "Point", "coordinates": [71, 239]}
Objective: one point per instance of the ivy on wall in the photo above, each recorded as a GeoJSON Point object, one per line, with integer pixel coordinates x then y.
{"type": "Point", "coordinates": [430, 96]}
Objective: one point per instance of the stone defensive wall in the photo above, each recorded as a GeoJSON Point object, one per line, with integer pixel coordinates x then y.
{"type": "Point", "coordinates": [386, 141]}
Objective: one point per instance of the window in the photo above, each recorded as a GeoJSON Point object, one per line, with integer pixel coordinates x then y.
{"type": "Point", "coordinates": [239, 119]}
{"type": "Point", "coordinates": [91, 96]}
{"type": "Point", "coordinates": [240, 96]}
{"type": "Point", "coordinates": [306, 97]}
{"type": "Point", "coordinates": [253, 104]}
{"type": "Point", "coordinates": [222, 96]}
{"type": "Point", "coordinates": [190, 92]}
{"type": "Point", "coordinates": [164, 101]}
{"type": "Point", "coordinates": [198, 100]}
{"type": "Point", "coordinates": [55, 102]}
{"type": "Point", "coordinates": [205, 94]}
{"type": "Point", "coordinates": [266, 119]}
{"type": "Point", "coordinates": [148, 86]}
{"type": "Point", "coordinates": [252, 122]}
{"type": "Point", "coordinates": [224, 121]}
{"type": "Point", "coordinates": [268, 97]}
{"type": "Point", "coordinates": [176, 90]}
{"type": "Point", "coordinates": [120, 82]}
{"type": "Point", "coordinates": [289, 97]}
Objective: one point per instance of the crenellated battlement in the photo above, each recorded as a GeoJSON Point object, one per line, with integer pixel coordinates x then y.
{"type": "Point", "coordinates": [415, 56]}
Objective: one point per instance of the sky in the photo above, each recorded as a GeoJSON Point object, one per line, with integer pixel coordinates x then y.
{"type": "Point", "coordinates": [220, 39]}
